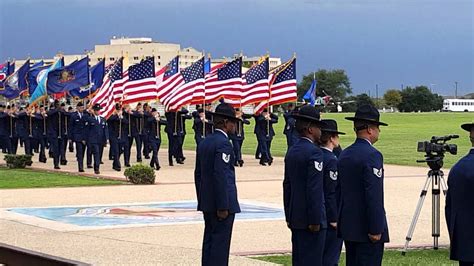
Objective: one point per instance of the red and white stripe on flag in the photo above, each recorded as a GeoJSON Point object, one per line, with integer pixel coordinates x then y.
{"type": "Point", "coordinates": [227, 89]}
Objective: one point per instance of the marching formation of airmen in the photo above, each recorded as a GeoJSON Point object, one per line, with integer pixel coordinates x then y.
{"type": "Point", "coordinates": [57, 130]}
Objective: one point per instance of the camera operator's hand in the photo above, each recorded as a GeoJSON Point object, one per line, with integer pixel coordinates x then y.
{"type": "Point", "coordinates": [375, 238]}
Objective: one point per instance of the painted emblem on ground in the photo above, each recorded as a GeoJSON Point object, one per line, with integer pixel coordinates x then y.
{"type": "Point", "coordinates": [159, 213]}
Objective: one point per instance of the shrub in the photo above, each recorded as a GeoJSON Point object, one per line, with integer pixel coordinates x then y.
{"type": "Point", "coordinates": [18, 161]}
{"type": "Point", "coordinates": [140, 174]}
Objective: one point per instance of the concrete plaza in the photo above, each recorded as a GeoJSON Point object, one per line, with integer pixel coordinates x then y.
{"type": "Point", "coordinates": [175, 244]}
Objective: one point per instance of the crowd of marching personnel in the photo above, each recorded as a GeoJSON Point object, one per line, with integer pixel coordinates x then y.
{"type": "Point", "coordinates": [330, 196]}
{"type": "Point", "coordinates": [51, 131]}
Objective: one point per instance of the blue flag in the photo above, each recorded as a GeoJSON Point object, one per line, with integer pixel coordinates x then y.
{"type": "Point", "coordinates": [311, 93]}
{"type": "Point", "coordinates": [73, 76]}
{"type": "Point", "coordinates": [34, 76]}
{"type": "Point", "coordinates": [37, 64]}
{"type": "Point", "coordinates": [97, 78]}
{"type": "Point", "coordinates": [207, 66]}
{"type": "Point", "coordinates": [39, 92]}
{"type": "Point", "coordinates": [16, 83]}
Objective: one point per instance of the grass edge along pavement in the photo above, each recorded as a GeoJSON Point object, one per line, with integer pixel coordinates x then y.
{"type": "Point", "coordinates": [391, 257]}
{"type": "Point", "coordinates": [34, 178]}
{"type": "Point", "coordinates": [398, 141]}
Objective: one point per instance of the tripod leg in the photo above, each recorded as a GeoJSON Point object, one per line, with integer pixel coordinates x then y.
{"type": "Point", "coordinates": [444, 186]}
{"type": "Point", "coordinates": [435, 219]}
{"type": "Point", "coordinates": [417, 213]}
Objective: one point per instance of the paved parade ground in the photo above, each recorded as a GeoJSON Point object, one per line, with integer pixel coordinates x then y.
{"type": "Point", "coordinates": [158, 224]}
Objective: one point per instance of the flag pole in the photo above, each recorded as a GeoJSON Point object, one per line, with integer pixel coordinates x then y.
{"type": "Point", "coordinates": [204, 98]}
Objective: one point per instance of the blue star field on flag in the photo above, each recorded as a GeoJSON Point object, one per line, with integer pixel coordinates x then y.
{"type": "Point", "coordinates": [230, 70]}
{"type": "Point", "coordinates": [145, 69]}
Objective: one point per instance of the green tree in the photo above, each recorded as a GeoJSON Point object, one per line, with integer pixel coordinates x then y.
{"type": "Point", "coordinates": [332, 82]}
{"type": "Point", "coordinates": [392, 98]}
{"type": "Point", "coordinates": [419, 99]}
{"type": "Point", "coordinates": [352, 102]}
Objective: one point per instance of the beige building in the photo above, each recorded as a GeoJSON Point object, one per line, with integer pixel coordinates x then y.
{"type": "Point", "coordinates": [135, 49]}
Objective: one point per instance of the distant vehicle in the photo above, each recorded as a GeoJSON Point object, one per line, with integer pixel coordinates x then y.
{"type": "Point", "coordinates": [458, 105]}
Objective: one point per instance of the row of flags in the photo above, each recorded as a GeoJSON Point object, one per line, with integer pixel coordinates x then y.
{"type": "Point", "coordinates": [173, 87]}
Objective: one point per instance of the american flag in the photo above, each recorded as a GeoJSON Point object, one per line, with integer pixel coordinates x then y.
{"type": "Point", "coordinates": [168, 79]}
{"type": "Point", "coordinates": [225, 82]}
{"type": "Point", "coordinates": [255, 88]}
{"type": "Point", "coordinates": [282, 85]}
{"type": "Point", "coordinates": [141, 85]}
{"type": "Point", "coordinates": [105, 96]}
{"type": "Point", "coordinates": [192, 90]}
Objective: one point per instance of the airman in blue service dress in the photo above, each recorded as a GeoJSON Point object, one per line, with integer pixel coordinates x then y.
{"type": "Point", "coordinates": [97, 136]}
{"type": "Point", "coordinates": [362, 222]}
{"type": "Point", "coordinates": [78, 133]}
{"type": "Point", "coordinates": [239, 136]}
{"type": "Point", "coordinates": [155, 122]}
{"type": "Point", "coordinates": [330, 140]}
{"type": "Point", "coordinates": [5, 143]}
{"type": "Point", "coordinates": [289, 131]}
{"type": "Point", "coordinates": [303, 195]}
{"type": "Point", "coordinates": [216, 190]}
{"type": "Point", "coordinates": [118, 130]}
{"type": "Point", "coordinates": [54, 132]}
{"type": "Point", "coordinates": [202, 126]}
{"type": "Point", "coordinates": [460, 206]}
{"type": "Point", "coordinates": [265, 134]}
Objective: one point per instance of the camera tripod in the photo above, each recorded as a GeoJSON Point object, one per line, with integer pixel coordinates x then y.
{"type": "Point", "coordinates": [436, 178]}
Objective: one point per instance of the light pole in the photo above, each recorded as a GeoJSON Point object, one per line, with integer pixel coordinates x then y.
{"type": "Point", "coordinates": [456, 90]}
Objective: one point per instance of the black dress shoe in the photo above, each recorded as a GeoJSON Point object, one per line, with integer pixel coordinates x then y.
{"type": "Point", "coordinates": [127, 165]}
{"type": "Point", "coordinates": [89, 167]}
{"type": "Point", "coordinates": [241, 163]}
{"type": "Point", "coordinates": [179, 161]}
{"type": "Point", "coordinates": [139, 160]}
{"type": "Point", "coordinates": [183, 158]}
{"type": "Point", "coordinates": [117, 169]}
{"type": "Point", "coordinates": [236, 164]}
{"type": "Point", "coordinates": [97, 172]}
{"type": "Point", "coordinates": [81, 170]}
{"type": "Point", "coordinates": [42, 160]}
{"type": "Point", "coordinates": [63, 162]}
{"type": "Point", "coordinates": [101, 162]}
{"type": "Point", "coordinates": [57, 167]}
{"type": "Point", "coordinates": [158, 168]}
{"type": "Point", "coordinates": [147, 157]}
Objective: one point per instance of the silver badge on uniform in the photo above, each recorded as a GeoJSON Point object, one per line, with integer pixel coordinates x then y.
{"type": "Point", "coordinates": [226, 157]}
{"type": "Point", "coordinates": [318, 165]}
{"type": "Point", "coordinates": [378, 172]}
{"type": "Point", "coordinates": [333, 175]}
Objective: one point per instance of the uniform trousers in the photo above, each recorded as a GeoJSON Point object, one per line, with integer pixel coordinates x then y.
{"type": "Point", "coordinates": [363, 253]}
{"type": "Point", "coordinates": [217, 237]}
{"type": "Point", "coordinates": [80, 151]}
{"type": "Point", "coordinates": [332, 247]}
{"type": "Point", "coordinates": [307, 247]}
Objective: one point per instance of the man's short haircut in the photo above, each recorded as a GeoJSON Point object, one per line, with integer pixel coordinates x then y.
{"type": "Point", "coordinates": [303, 125]}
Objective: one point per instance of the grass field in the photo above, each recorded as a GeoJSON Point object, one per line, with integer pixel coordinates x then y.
{"type": "Point", "coordinates": [391, 257]}
{"type": "Point", "coordinates": [15, 178]}
{"type": "Point", "coordinates": [398, 141]}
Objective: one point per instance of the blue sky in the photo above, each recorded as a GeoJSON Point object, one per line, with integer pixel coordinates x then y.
{"type": "Point", "coordinates": [384, 42]}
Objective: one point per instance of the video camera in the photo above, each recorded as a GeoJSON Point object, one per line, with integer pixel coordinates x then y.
{"type": "Point", "coordinates": [435, 149]}
{"type": "Point", "coordinates": [434, 145]}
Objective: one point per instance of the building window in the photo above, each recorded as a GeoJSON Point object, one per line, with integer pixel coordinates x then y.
{"type": "Point", "coordinates": [135, 58]}
{"type": "Point", "coordinates": [159, 63]}
{"type": "Point", "coordinates": [159, 57]}
{"type": "Point", "coordinates": [112, 59]}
